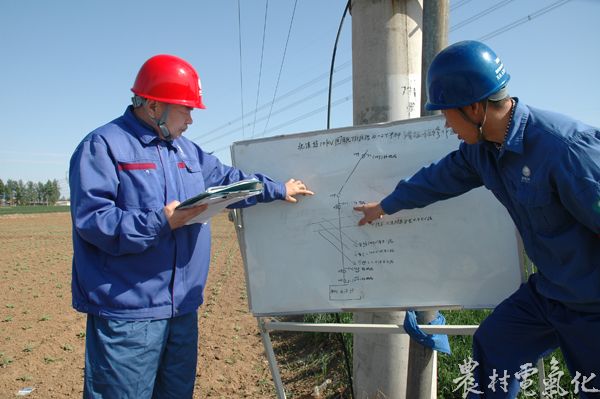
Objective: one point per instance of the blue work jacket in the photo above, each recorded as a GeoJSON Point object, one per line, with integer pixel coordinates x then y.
{"type": "Point", "coordinates": [547, 176]}
{"type": "Point", "coordinates": [128, 264]}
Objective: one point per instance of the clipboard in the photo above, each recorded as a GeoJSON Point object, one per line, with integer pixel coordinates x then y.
{"type": "Point", "coordinates": [219, 197]}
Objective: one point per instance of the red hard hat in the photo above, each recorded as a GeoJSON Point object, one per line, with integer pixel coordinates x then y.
{"type": "Point", "coordinates": [169, 79]}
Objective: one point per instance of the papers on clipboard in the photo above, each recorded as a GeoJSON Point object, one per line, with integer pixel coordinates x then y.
{"type": "Point", "coordinates": [218, 197]}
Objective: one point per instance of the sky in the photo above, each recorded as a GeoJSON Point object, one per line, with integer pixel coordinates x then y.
{"type": "Point", "coordinates": [68, 66]}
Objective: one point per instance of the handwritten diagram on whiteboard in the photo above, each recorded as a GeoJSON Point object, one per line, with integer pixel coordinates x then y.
{"type": "Point", "coordinates": [313, 257]}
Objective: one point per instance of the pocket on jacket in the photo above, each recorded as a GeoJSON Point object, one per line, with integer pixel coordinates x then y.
{"type": "Point", "coordinates": [141, 185]}
{"type": "Point", "coordinates": [546, 213]}
{"type": "Point", "coordinates": [192, 177]}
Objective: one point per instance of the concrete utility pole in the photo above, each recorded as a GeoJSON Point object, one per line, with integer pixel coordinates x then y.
{"type": "Point", "coordinates": [422, 370]}
{"type": "Point", "coordinates": [386, 62]}
{"type": "Point", "coordinates": [435, 38]}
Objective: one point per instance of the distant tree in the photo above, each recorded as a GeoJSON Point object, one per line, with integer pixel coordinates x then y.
{"type": "Point", "coordinates": [40, 191]}
{"type": "Point", "coordinates": [52, 191]}
{"type": "Point", "coordinates": [10, 191]}
{"type": "Point", "coordinates": [20, 193]}
{"type": "Point", "coordinates": [29, 193]}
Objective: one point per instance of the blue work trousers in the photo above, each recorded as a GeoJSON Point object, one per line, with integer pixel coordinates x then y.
{"type": "Point", "coordinates": [526, 327]}
{"type": "Point", "coordinates": [154, 359]}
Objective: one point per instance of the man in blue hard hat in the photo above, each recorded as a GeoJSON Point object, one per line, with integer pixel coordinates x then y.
{"type": "Point", "coordinates": [544, 167]}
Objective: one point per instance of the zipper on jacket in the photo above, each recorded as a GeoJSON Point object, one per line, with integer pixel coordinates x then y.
{"type": "Point", "coordinates": [172, 282]}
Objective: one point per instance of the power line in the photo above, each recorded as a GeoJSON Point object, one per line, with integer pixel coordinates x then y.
{"type": "Point", "coordinates": [459, 4]}
{"type": "Point", "coordinates": [241, 74]}
{"type": "Point", "coordinates": [308, 114]}
{"type": "Point", "coordinates": [479, 15]}
{"type": "Point", "coordinates": [297, 119]}
{"type": "Point", "coordinates": [280, 110]}
{"type": "Point", "coordinates": [262, 51]}
{"type": "Point", "coordinates": [337, 37]}
{"type": "Point", "coordinates": [497, 32]}
{"type": "Point", "coordinates": [523, 20]}
{"type": "Point", "coordinates": [282, 61]}
{"type": "Point", "coordinates": [283, 96]}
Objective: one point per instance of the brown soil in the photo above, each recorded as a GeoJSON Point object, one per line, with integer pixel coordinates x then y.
{"type": "Point", "coordinates": [42, 337]}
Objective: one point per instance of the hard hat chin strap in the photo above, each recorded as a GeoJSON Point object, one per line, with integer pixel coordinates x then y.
{"type": "Point", "coordinates": [162, 124]}
{"type": "Point", "coordinates": [480, 137]}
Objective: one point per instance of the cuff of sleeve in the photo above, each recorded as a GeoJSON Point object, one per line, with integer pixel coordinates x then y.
{"type": "Point", "coordinates": [280, 191]}
{"type": "Point", "coordinates": [389, 205]}
{"type": "Point", "coordinates": [159, 222]}
{"type": "Point", "coordinates": [272, 190]}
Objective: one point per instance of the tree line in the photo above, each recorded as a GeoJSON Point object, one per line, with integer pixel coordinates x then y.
{"type": "Point", "coordinates": [15, 192]}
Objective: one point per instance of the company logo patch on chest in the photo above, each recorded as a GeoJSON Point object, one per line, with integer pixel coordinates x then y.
{"type": "Point", "coordinates": [525, 174]}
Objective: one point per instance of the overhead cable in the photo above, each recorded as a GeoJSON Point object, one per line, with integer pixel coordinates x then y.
{"type": "Point", "coordinates": [280, 110]}
{"type": "Point", "coordinates": [458, 4]}
{"type": "Point", "coordinates": [262, 51]}
{"type": "Point", "coordinates": [280, 98]}
{"type": "Point", "coordinates": [337, 38]}
{"type": "Point", "coordinates": [241, 75]}
{"type": "Point", "coordinates": [297, 119]}
{"type": "Point", "coordinates": [490, 35]}
{"type": "Point", "coordinates": [479, 15]}
{"type": "Point", "coordinates": [525, 19]}
{"type": "Point", "coordinates": [282, 62]}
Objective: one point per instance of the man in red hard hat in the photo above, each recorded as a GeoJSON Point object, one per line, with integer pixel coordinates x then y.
{"type": "Point", "coordinates": [139, 270]}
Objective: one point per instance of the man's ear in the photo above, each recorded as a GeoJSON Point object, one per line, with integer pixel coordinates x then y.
{"type": "Point", "coordinates": [477, 109]}
{"type": "Point", "coordinates": [152, 108]}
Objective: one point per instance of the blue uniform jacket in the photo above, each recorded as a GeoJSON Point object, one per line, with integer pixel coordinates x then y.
{"type": "Point", "coordinates": [127, 263]}
{"type": "Point", "coordinates": [547, 176]}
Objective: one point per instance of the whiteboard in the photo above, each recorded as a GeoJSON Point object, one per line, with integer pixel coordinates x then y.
{"type": "Point", "coordinates": [312, 256]}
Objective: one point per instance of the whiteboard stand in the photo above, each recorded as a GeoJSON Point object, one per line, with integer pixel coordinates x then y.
{"type": "Point", "coordinates": [267, 325]}
{"type": "Point", "coordinates": [266, 339]}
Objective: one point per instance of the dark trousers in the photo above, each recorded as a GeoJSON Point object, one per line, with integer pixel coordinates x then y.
{"type": "Point", "coordinates": [153, 359]}
{"type": "Point", "coordinates": [526, 327]}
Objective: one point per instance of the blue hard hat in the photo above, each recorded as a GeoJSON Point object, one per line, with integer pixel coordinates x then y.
{"type": "Point", "coordinates": [462, 74]}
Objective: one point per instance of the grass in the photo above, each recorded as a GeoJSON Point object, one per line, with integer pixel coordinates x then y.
{"type": "Point", "coordinates": [5, 360]}
{"type": "Point", "coordinates": [12, 210]}
{"type": "Point", "coordinates": [67, 348]}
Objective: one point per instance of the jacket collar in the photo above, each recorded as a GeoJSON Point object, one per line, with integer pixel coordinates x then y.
{"type": "Point", "coordinates": [514, 139]}
{"type": "Point", "coordinates": [141, 129]}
